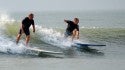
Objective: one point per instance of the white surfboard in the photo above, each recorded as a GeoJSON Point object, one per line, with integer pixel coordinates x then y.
{"type": "Point", "coordinates": [43, 51]}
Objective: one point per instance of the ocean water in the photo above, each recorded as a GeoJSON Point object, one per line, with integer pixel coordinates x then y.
{"type": "Point", "coordinates": [95, 27]}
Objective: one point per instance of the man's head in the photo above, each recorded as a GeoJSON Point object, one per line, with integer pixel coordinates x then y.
{"type": "Point", "coordinates": [31, 16]}
{"type": "Point", "coordinates": [76, 20]}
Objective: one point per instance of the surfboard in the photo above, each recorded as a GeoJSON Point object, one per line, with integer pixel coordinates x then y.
{"type": "Point", "coordinates": [43, 53]}
{"type": "Point", "coordinates": [81, 44]}
{"type": "Point", "coordinates": [86, 48]}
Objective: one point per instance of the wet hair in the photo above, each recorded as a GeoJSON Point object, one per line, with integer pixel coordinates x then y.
{"type": "Point", "coordinates": [31, 14]}
{"type": "Point", "coordinates": [76, 19]}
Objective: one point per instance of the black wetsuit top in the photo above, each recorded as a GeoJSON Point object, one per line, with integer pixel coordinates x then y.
{"type": "Point", "coordinates": [26, 23]}
{"type": "Point", "coordinates": [71, 26]}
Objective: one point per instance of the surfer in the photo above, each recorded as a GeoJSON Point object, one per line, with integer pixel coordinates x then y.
{"type": "Point", "coordinates": [26, 23]}
{"type": "Point", "coordinates": [72, 28]}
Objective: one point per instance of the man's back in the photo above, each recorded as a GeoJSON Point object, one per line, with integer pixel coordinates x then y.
{"type": "Point", "coordinates": [71, 26]}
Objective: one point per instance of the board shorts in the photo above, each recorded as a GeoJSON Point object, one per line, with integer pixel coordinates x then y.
{"type": "Point", "coordinates": [67, 33]}
{"type": "Point", "coordinates": [26, 31]}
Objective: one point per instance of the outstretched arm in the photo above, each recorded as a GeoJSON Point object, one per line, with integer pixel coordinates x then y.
{"type": "Point", "coordinates": [66, 21]}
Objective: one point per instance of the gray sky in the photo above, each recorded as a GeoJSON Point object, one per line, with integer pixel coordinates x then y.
{"type": "Point", "coordinates": [61, 5]}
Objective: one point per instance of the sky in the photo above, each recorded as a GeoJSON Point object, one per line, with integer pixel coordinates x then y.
{"type": "Point", "coordinates": [61, 5]}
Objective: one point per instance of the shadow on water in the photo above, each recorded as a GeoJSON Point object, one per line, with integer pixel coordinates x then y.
{"type": "Point", "coordinates": [89, 50]}
{"type": "Point", "coordinates": [70, 53]}
{"type": "Point", "coordinates": [30, 54]}
{"type": "Point", "coordinates": [15, 55]}
{"type": "Point", "coordinates": [44, 55]}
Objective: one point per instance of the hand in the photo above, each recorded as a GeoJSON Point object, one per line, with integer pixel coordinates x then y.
{"type": "Point", "coordinates": [34, 31]}
{"type": "Point", "coordinates": [64, 20]}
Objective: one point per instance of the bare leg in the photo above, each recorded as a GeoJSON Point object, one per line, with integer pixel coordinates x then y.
{"type": "Point", "coordinates": [27, 39]}
{"type": "Point", "coordinates": [75, 34]}
{"type": "Point", "coordinates": [18, 38]}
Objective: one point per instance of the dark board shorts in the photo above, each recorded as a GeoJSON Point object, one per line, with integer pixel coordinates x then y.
{"type": "Point", "coordinates": [26, 31]}
{"type": "Point", "coordinates": [67, 33]}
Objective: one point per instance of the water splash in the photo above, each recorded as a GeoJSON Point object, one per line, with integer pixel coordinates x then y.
{"type": "Point", "coordinates": [6, 44]}
{"type": "Point", "coordinates": [53, 37]}
{"type": "Point", "coordinates": [4, 18]}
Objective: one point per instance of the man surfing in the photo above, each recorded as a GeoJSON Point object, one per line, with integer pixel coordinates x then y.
{"type": "Point", "coordinates": [72, 28]}
{"type": "Point", "coordinates": [26, 23]}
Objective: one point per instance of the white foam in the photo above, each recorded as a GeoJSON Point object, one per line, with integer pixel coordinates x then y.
{"type": "Point", "coordinates": [5, 19]}
{"type": "Point", "coordinates": [53, 37]}
{"type": "Point", "coordinates": [7, 45]}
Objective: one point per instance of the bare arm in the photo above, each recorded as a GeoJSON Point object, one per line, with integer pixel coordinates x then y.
{"type": "Point", "coordinates": [65, 20]}
{"type": "Point", "coordinates": [33, 28]}
{"type": "Point", "coordinates": [22, 26]}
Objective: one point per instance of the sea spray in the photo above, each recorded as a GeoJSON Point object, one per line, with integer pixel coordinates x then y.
{"type": "Point", "coordinates": [53, 37]}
